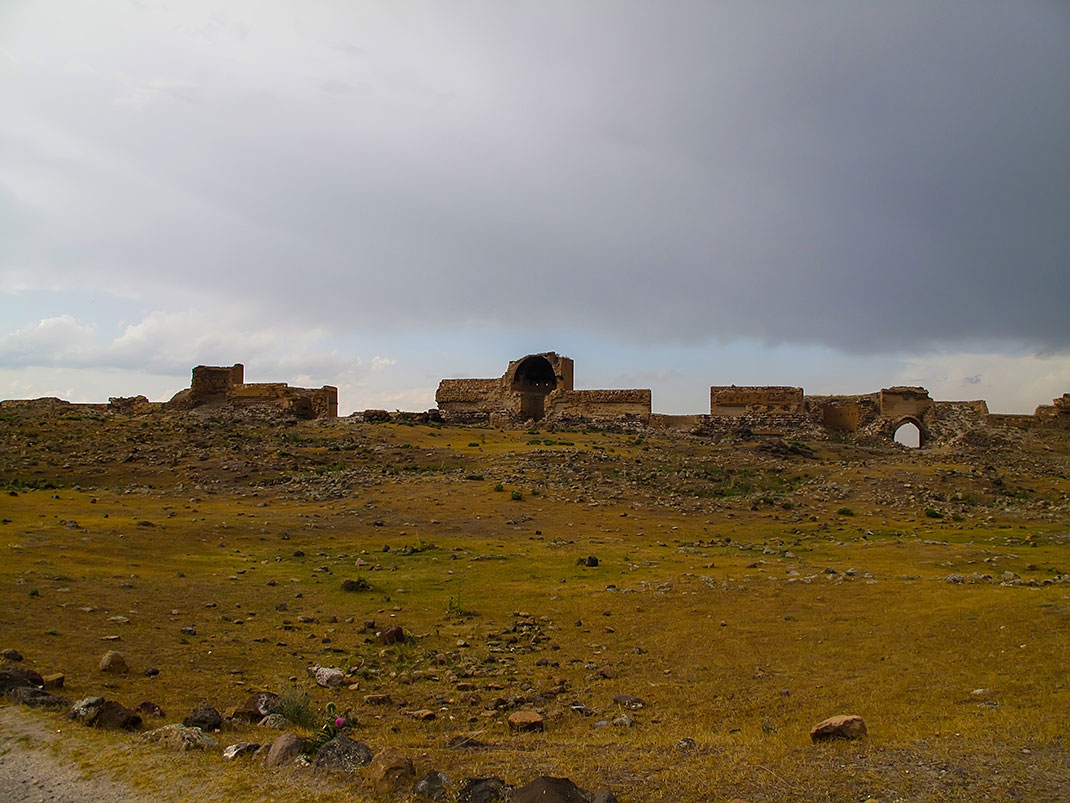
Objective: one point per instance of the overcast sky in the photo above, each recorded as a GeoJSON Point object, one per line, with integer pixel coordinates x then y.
{"type": "Point", "coordinates": [376, 195]}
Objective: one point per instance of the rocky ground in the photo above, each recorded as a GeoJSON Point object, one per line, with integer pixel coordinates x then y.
{"type": "Point", "coordinates": [652, 616]}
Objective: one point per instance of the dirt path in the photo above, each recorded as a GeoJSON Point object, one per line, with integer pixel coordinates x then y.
{"type": "Point", "coordinates": [31, 771]}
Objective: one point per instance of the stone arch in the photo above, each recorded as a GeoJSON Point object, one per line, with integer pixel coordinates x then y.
{"type": "Point", "coordinates": [534, 379]}
{"type": "Point", "coordinates": [923, 434]}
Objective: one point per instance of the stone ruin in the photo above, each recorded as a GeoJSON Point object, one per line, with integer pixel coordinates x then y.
{"type": "Point", "coordinates": [539, 388]}
{"type": "Point", "coordinates": [226, 385]}
{"type": "Point", "coordinates": [534, 388]}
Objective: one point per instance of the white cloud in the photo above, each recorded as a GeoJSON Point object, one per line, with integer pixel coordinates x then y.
{"type": "Point", "coordinates": [1009, 383]}
{"type": "Point", "coordinates": [61, 340]}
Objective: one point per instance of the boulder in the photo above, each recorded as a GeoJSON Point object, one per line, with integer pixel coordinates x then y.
{"type": "Point", "coordinates": [182, 738]}
{"type": "Point", "coordinates": [629, 701]}
{"type": "Point", "coordinates": [275, 722]}
{"type": "Point", "coordinates": [432, 786]}
{"type": "Point", "coordinates": [283, 750]}
{"type": "Point", "coordinates": [114, 662]}
{"type": "Point", "coordinates": [329, 677]}
{"type": "Point", "coordinates": [255, 708]}
{"type": "Point", "coordinates": [204, 717]}
{"type": "Point", "coordinates": [546, 789]}
{"type": "Point", "coordinates": [96, 712]}
{"type": "Point", "coordinates": [54, 681]}
{"type": "Point", "coordinates": [604, 796]}
{"type": "Point", "coordinates": [342, 754]}
{"type": "Point", "coordinates": [482, 790]}
{"type": "Point", "coordinates": [233, 751]}
{"type": "Point", "coordinates": [14, 677]}
{"type": "Point", "coordinates": [391, 770]}
{"type": "Point", "coordinates": [149, 709]}
{"type": "Point", "coordinates": [36, 698]}
{"type": "Point", "coordinates": [392, 635]}
{"type": "Point", "coordinates": [845, 726]}
{"type": "Point", "coordinates": [525, 721]}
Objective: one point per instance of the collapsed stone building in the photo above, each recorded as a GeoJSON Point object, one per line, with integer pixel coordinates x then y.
{"type": "Point", "coordinates": [533, 388]}
{"type": "Point", "coordinates": [540, 387]}
{"type": "Point", "coordinates": [212, 384]}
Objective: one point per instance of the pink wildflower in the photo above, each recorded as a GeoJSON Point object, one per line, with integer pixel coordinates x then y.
{"type": "Point", "coordinates": [339, 722]}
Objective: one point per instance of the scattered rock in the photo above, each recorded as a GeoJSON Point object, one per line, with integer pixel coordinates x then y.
{"type": "Point", "coordinates": [377, 699]}
{"type": "Point", "coordinates": [422, 715]}
{"type": "Point", "coordinates": [204, 717]}
{"type": "Point", "coordinates": [11, 654]}
{"type": "Point", "coordinates": [360, 584]}
{"type": "Point", "coordinates": [283, 750]}
{"type": "Point", "coordinates": [848, 726]}
{"type": "Point", "coordinates": [36, 698]}
{"type": "Point", "coordinates": [432, 786]}
{"type": "Point", "coordinates": [182, 738]}
{"type": "Point", "coordinates": [275, 722]}
{"type": "Point", "coordinates": [97, 712]}
{"type": "Point", "coordinates": [342, 754]}
{"type": "Point", "coordinates": [231, 752]}
{"type": "Point", "coordinates": [391, 770]}
{"type": "Point", "coordinates": [149, 708]}
{"type": "Point", "coordinates": [329, 677]}
{"type": "Point", "coordinates": [546, 789]}
{"type": "Point", "coordinates": [482, 790]}
{"type": "Point", "coordinates": [629, 701]}
{"type": "Point", "coordinates": [604, 796]}
{"type": "Point", "coordinates": [14, 677]}
{"type": "Point", "coordinates": [624, 721]}
{"type": "Point", "coordinates": [393, 635]}
{"type": "Point", "coordinates": [54, 681]}
{"type": "Point", "coordinates": [686, 744]}
{"type": "Point", "coordinates": [255, 708]}
{"type": "Point", "coordinates": [525, 721]}
{"type": "Point", "coordinates": [114, 662]}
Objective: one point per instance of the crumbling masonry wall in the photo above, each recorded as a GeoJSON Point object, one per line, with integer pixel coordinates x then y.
{"type": "Point", "coordinates": [213, 384]}
{"type": "Point", "coordinates": [536, 387]}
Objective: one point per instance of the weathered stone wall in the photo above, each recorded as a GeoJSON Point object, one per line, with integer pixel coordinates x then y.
{"type": "Point", "coordinates": [597, 404]}
{"type": "Point", "coordinates": [534, 387]}
{"type": "Point", "coordinates": [458, 396]}
{"type": "Point", "coordinates": [733, 400]}
{"type": "Point", "coordinates": [679, 423]}
{"type": "Point", "coordinates": [898, 403]}
{"type": "Point", "coordinates": [213, 381]}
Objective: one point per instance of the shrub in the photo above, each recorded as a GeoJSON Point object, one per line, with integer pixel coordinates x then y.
{"type": "Point", "coordinates": [296, 706]}
{"type": "Point", "coordinates": [845, 511]}
{"type": "Point", "coordinates": [474, 477]}
{"type": "Point", "coordinates": [516, 496]}
{"type": "Point", "coordinates": [499, 487]}
{"type": "Point", "coordinates": [360, 584]}
{"type": "Point", "coordinates": [933, 513]}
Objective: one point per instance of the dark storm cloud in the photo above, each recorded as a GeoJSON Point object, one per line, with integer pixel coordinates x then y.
{"type": "Point", "coordinates": [866, 176]}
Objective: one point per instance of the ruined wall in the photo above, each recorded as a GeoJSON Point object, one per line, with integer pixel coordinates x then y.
{"type": "Point", "coordinates": [599, 404]}
{"type": "Point", "coordinates": [302, 402]}
{"type": "Point", "coordinates": [733, 400]}
{"type": "Point", "coordinates": [905, 402]}
{"type": "Point", "coordinates": [678, 423]}
{"type": "Point", "coordinates": [226, 384]}
{"type": "Point", "coordinates": [534, 387]}
{"type": "Point", "coordinates": [470, 395]}
{"type": "Point", "coordinates": [213, 381]}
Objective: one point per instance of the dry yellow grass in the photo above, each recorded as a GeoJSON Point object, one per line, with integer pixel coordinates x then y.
{"type": "Point", "coordinates": [710, 601]}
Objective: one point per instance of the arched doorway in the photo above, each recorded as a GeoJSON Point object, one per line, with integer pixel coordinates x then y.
{"type": "Point", "coordinates": [534, 379]}
{"type": "Point", "coordinates": [910, 433]}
